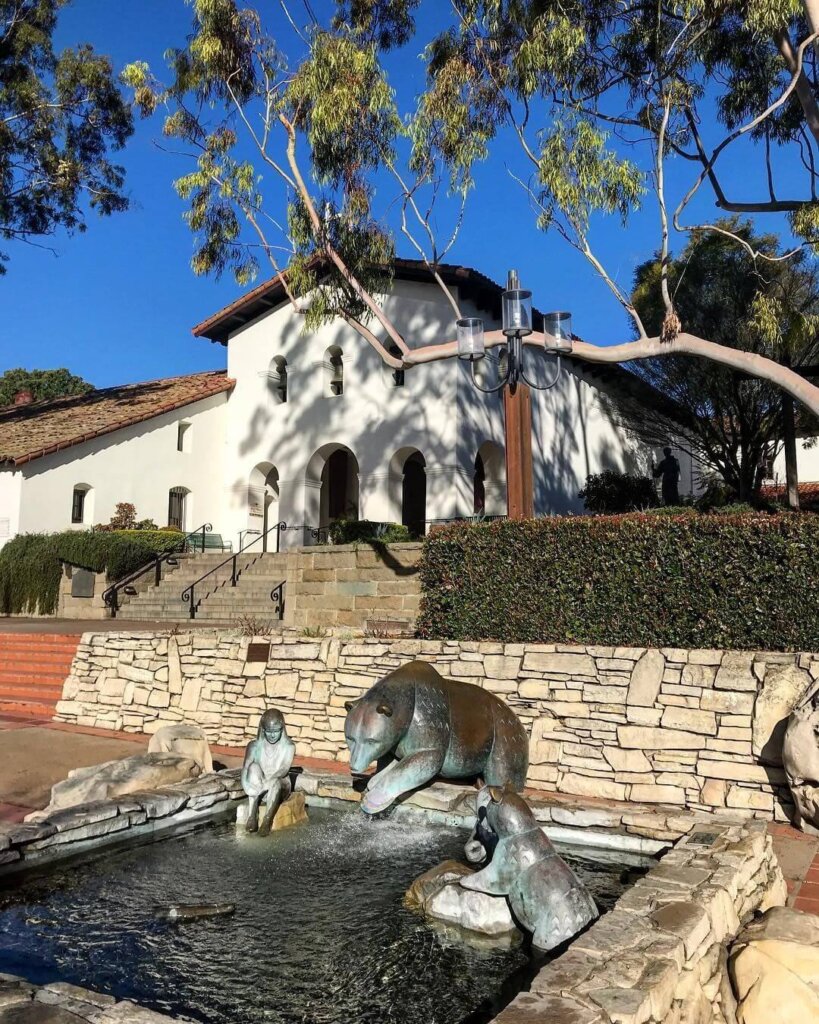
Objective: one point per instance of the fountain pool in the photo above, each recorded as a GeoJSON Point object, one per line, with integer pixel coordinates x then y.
{"type": "Point", "coordinates": [319, 935]}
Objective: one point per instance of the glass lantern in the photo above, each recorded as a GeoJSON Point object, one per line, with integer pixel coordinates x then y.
{"type": "Point", "coordinates": [557, 328]}
{"type": "Point", "coordinates": [470, 338]}
{"type": "Point", "coordinates": [517, 312]}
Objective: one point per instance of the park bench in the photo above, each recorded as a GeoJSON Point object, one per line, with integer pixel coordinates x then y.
{"type": "Point", "coordinates": [208, 542]}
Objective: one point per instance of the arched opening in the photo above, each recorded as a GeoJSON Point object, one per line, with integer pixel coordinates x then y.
{"type": "Point", "coordinates": [331, 488]}
{"type": "Point", "coordinates": [178, 508]}
{"type": "Point", "coordinates": [277, 379]}
{"type": "Point", "coordinates": [262, 500]}
{"type": "Point", "coordinates": [489, 480]}
{"type": "Point", "coordinates": [414, 495]}
{"type": "Point", "coordinates": [334, 371]}
{"type": "Point", "coordinates": [81, 510]}
{"type": "Point", "coordinates": [393, 378]}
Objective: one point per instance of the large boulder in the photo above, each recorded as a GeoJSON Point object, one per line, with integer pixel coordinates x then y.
{"type": "Point", "coordinates": [783, 689]}
{"type": "Point", "coordinates": [438, 895]}
{"type": "Point", "coordinates": [118, 778]}
{"type": "Point", "coordinates": [800, 759]}
{"type": "Point", "coordinates": [774, 968]}
{"type": "Point", "coordinates": [183, 740]}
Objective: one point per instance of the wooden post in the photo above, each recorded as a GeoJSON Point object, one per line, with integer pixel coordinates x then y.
{"type": "Point", "coordinates": [519, 470]}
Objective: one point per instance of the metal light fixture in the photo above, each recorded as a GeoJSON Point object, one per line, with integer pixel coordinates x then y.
{"type": "Point", "coordinates": [470, 338]}
{"type": "Point", "coordinates": [516, 306]}
{"type": "Point", "coordinates": [558, 326]}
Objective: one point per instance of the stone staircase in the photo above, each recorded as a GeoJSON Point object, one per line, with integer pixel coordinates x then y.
{"type": "Point", "coordinates": [33, 668]}
{"type": "Point", "coordinates": [218, 602]}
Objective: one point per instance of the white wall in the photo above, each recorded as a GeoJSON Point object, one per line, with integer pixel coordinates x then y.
{"type": "Point", "coordinates": [10, 492]}
{"type": "Point", "coordinates": [807, 462]}
{"type": "Point", "coordinates": [137, 464]}
{"type": "Point", "coordinates": [371, 418]}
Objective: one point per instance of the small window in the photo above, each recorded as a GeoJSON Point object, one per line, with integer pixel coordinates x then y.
{"type": "Point", "coordinates": [183, 437]}
{"type": "Point", "coordinates": [396, 376]}
{"type": "Point", "coordinates": [277, 379]}
{"type": "Point", "coordinates": [334, 366]}
{"type": "Point", "coordinates": [78, 505]}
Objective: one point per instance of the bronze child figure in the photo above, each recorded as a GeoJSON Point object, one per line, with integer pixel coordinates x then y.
{"type": "Point", "coordinates": [268, 760]}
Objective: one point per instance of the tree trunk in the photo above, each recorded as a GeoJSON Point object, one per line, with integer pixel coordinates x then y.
{"type": "Point", "coordinates": [519, 469]}
{"type": "Point", "coordinates": [789, 436]}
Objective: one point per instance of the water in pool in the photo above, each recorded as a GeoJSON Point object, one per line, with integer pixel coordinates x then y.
{"type": "Point", "coordinates": [319, 935]}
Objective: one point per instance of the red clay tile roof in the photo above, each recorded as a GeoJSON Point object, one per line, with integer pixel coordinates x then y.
{"type": "Point", "coordinates": [485, 292]}
{"type": "Point", "coordinates": [29, 431]}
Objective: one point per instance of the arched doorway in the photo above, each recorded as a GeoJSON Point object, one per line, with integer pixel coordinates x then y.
{"type": "Point", "coordinates": [262, 500]}
{"type": "Point", "coordinates": [414, 495]}
{"type": "Point", "coordinates": [489, 480]}
{"type": "Point", "coordinates": [331, 487]}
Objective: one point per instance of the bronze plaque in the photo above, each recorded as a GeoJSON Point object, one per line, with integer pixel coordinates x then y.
{"type": "Point", "coordinates": [258, 652]}
{"type": "Point", "coordinates": [82, 583]}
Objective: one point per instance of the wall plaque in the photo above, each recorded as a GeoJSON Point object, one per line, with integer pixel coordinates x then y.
{"type": "Point", "coordinates": [82, 583]}
{"type": "Point", "coordinates": [258, 653]}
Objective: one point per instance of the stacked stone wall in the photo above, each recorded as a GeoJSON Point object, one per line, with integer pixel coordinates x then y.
{"type": "Point", "coordinates": [700, 729]}
{"type": "Point", "coordinates": [355, 586]}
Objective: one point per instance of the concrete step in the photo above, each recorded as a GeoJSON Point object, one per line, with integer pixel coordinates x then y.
{"type": "Point", "coordinates": [37, 710]}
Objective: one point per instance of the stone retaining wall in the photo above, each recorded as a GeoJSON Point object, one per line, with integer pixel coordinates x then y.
{"type": "Point", "coordinates": [357, 586]}
{"type": "Point", "coordinates": [698, 729]}
{"type": "Point", "coordinates": [131, 818]}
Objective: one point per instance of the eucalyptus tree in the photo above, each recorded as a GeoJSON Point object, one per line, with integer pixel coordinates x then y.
{"type": "Point", "coordinates": [291, 121]}
{"type": "Point", "coordinates": [61, 117]}
{"type": "Point", "coordinates": [729, 421]}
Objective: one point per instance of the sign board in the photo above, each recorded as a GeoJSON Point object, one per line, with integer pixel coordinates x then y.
{"type": "Point", "coordinates": [82, 583]}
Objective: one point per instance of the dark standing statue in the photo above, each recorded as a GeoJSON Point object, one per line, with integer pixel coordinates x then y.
{"type": "Point", "coordinates": [669, 469]}
{"type": "Point", "coordinates": [544, 893]}
{"type": "Point", "coordinates": [433, 726]}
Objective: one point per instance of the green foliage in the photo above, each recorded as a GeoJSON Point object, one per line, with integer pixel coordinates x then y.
{"type": "Point", "coordinates": [743, 582]}
{"type": "Point", "coordinates": [125, 518]}
{"type": "Point", "coordinates": [60, 116]}
{"type": "Point", "coordinates": [30, 564]}
{"type": "Point", "coordinates": [611, 492]}
{"type": "Point", "coordinates": [43, 384]}
{"type": "Point", "coordinates": [363, 531]}
{"type": "Point", "coordinates": [732, 422]}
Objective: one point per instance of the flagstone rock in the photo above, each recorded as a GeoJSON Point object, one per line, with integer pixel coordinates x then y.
{"type": "Point", "coordinates": [646, 678]}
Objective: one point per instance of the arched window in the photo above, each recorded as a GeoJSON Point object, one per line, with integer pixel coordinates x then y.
{"type": "Point", "coordinates": [277, 379]}
{"type": "Point", "coordinates": [334, 370]}
{"type": "Point", "coordinates": [395, 377]}
{"type": "Point", "coordinates": [178, 507]}
{"type": "Point", "coordinates": [80, 504]}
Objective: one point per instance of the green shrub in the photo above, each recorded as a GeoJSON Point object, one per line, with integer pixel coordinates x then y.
{"type": "Point", "coordinates": [355, 531]}
{"type": "Point", "coordinates": [30, 565]}
{"type": "Point", "coordinates": [636, 580]}
{"type": "Point", "coordinates": [609, 493]}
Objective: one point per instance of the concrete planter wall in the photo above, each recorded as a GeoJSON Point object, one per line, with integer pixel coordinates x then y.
{"type": "Point", "coordinates": [696, 729]}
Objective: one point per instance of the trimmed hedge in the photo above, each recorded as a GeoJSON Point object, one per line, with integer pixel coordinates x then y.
{"type": "Point", "coordinates": [30, 566]}
{"type": "Point", "coordinates": [364, 531]}
{"type": "Point", "coordinates": [636, 580]}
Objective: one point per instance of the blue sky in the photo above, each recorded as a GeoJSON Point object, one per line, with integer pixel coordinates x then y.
{"type": "Point", "coordinates": [117, 304]}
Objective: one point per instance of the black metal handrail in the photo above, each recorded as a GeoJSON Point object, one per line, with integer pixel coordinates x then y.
{"type": "Point", "coordinates": [110, 596]}
{"type": "Point", "coordinates": [189, 593]}
{"type": "Point", "coordinates": [277, 597]}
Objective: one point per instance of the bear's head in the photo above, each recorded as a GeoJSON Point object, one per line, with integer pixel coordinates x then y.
{"type": "Point", "coordinates": [373, 728]}
{"type": "Point", "coordinates": [507, 812]}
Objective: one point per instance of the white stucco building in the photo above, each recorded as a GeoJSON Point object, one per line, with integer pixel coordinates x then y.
{"type": "Point", "coordinates": [306, 427]}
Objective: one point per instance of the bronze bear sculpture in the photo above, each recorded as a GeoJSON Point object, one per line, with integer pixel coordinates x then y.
{"type": "Point", "coordinates": [544, 894]}
{"type": "Point", "coordinates": [433, 726]}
